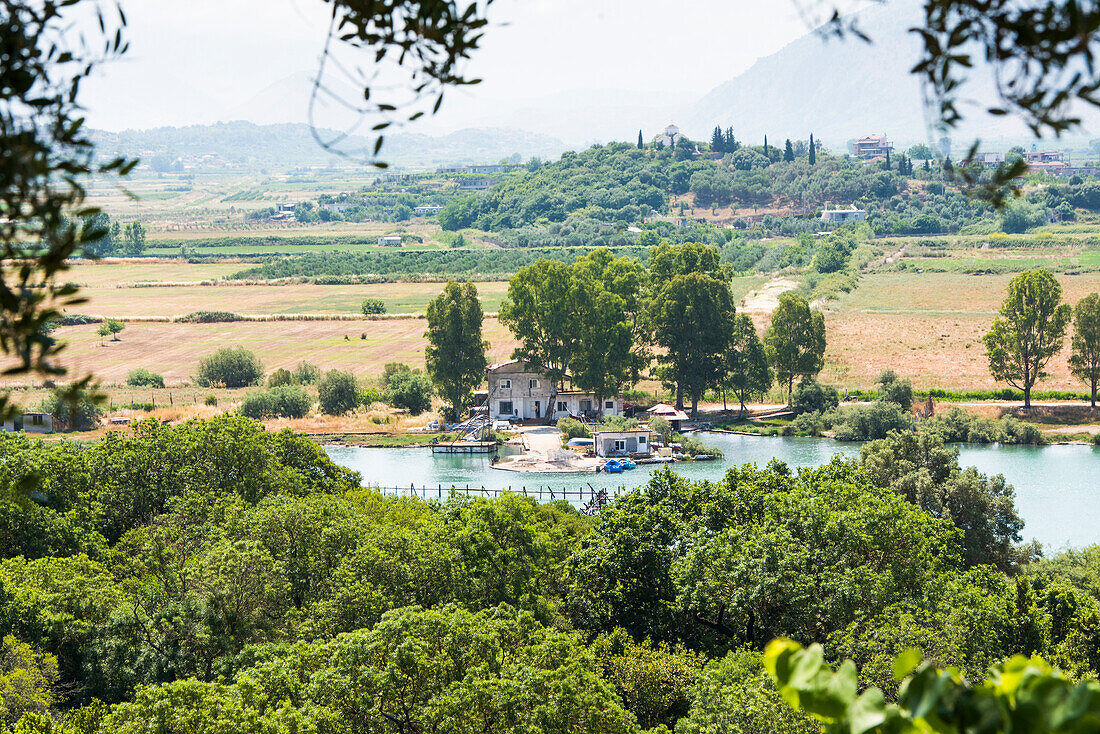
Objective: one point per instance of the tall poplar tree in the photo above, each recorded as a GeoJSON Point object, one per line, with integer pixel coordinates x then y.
{"type": "Point", "coordinates": [455, 354]}
{"type": "Point", "coordinates": [813, 150]}
{"type": "Point", "coordinates": [641, 143]}
{"type": "Point", "coordinates": [1028, 332]}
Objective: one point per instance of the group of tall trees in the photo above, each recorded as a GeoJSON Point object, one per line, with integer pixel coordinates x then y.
{"type": "Point", "coordinates": [723, 141]}
{"type": "Point", "coordinates": [104, 238]}
{"type": "Point", "coordinates": [599, 319]}
{"type": "Point", "coordinates": [1030, 330]}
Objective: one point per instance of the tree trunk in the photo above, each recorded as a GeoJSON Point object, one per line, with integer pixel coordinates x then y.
{"type": "Point", "coordinates": [1027, 397]}
{"type": "Point", "coordinates": [694, 406]}
{"type": "Point", "coordinates": [1094, 394]}
{"type": "Point", "coordinates": [741, 397]}
{"type": "Point", "coordinates": [679, 397]}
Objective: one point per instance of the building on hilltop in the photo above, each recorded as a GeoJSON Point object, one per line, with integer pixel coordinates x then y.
{"type": "Point", "coordinates": [871, 146]}
{"type": "Point", "coordinates": [518, 391]}
{"type": "Point", "coordinates": [670, 136]}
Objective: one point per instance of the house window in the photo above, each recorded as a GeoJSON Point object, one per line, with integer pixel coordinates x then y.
{"type": "Point", "coordinates": [620, 445]}
{"type": "Point", "coordinates": [505, 407]}
{"type": "Point", "coordinates": [533, 384]}
{"type": "Point", "coordinates": [609, 405]}
{"type": "Point", "coordinates": [562, 407]}
{"type": "Point", "coordinates": [505, 385]}
{"type": "Point", "coordinates": [641, 440]}
{"type": "Point", "coordinates": [36, 420]}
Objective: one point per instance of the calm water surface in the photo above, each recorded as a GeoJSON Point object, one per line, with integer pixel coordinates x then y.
{"type": "Point", "coordinates": [1057, 487]}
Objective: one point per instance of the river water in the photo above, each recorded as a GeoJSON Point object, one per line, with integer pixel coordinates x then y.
{"type": "Point", "coordinates": [1057, 487]}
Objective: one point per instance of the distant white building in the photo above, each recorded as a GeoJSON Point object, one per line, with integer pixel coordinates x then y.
{"type": "Point", "coordinates": [390, 240]}
{"type": "Point", "coordinates": [670, 136]}
{"type": "Point", "coordinates": [871, 146]}
{"type": "Point", "coordinates": [841, 216]}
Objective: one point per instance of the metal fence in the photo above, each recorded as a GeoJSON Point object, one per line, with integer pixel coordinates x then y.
{"type": "Point", "coordinates": [585, 496]}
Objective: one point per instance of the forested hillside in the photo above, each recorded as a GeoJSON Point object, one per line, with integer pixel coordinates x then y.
{"type": "Point", "coordinates": [592, 196]}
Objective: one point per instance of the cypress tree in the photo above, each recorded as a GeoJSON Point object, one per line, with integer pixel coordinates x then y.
{"type": "Point", "coordinates": [788, 151]}
{"type": "Point", "coordinates": [766, 148]}
{"type": "Point", "coordinates": [717, 142]}
{"type": "Point", "coordinates": [731, 142]}
{"type": "Point", "coordinates": [640, 143]}
{"type": "Point", "coordinates": [813, 150]}
{"type": "Point", "coordinates": [887, 160]}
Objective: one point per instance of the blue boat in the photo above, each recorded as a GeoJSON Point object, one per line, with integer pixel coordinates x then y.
{"type": "Point", "coordinates": [628, 464]}
{"type": "Point", "coordinates": [613, 466]}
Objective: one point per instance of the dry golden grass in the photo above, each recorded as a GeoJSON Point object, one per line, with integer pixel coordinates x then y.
{"type": "Point", "coordinates": [174, 350]}
{"type": "Point", "coordinates": [175, 300]}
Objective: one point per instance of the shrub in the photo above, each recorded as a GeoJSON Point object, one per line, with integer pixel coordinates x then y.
{"type": "Point", "coordinates": [984, 430]}
{"type": "Point", "coordinates": [79, 319]}
{"type": "Point", "coordinates": [210, 400]}
{"type": "Point", "coordinates": [286, 401]}
{"type": "Point", "coordinates": [338, 392]}
{"type": "Point", "coordinates": [280, 377]}
{"type": "Point", "coordinates": [811, 396]}
{"type": "Point", "coordinates": [1096, 440]}
{"type": "Point", "coordinates": [573, 428]}
{"type": "Point", "coordinates": [618, 423]}
{"type": "Point", "coordinates": [869, 422]}
{"type": "Point", "coordinates": [230, 367]}
{"type": "Point", "coordinates": [411, 391]}
{"type": "Point", "coordinates": [373, 306]}
{"type": "Point", "coordinates": [952, 426]}
{"type": "Point", "coordinates": [391, 370]}
{"type": "Point", "coordinates": [371, 395]}
{"type": "Point", "coordinates": [142, 377]}
{"type": "Point", "coordinates": [82, 414]}
{"type": "Point", "coordinates": [813, 423]}
{"type": "Point", "coordinates": [662, 427]}
{"type": "Point", "coordinates": [693, 447]}
{"type": "Point", "coordinates": [894, 390]}
{"type": "Point", "coordinates": [307, 373]}
{"type": "Point", "coordinates": [1015, 431]}
{"type": "Point", "coordinates": [209, 317]}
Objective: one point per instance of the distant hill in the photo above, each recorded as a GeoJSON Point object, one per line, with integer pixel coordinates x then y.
{"type": "Point", "coordinates": [841, 90]}
{"type": "Point", "coordinates": [291, 145]}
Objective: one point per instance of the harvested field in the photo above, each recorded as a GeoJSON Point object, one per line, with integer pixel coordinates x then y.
{"type": "Point", "coordinates": [946, 292]}
{"type": "Point", "coordinates": [292, 298]}
{"type": "Point", "coordinates": [174, 350]}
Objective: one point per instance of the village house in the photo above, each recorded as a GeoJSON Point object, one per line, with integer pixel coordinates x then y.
{"type": "Point", "coordinates": [623, 442]}
{"type": "Point", "coordinates": [840, 216]}
{"type": "Point", "coordinates": [30, 423]}
{"type": "Point", "coordinates": [516, 391]}
{"type": "Point", "coordinates": [674, 416]}
{"type": "Point", "coordinates": [390, 240]}
{"type": "Point", "coordinates": [871, 147]}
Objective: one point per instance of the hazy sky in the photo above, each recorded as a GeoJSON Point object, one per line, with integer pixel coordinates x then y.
{"type": "Point", "coordinates": [209, 60]}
